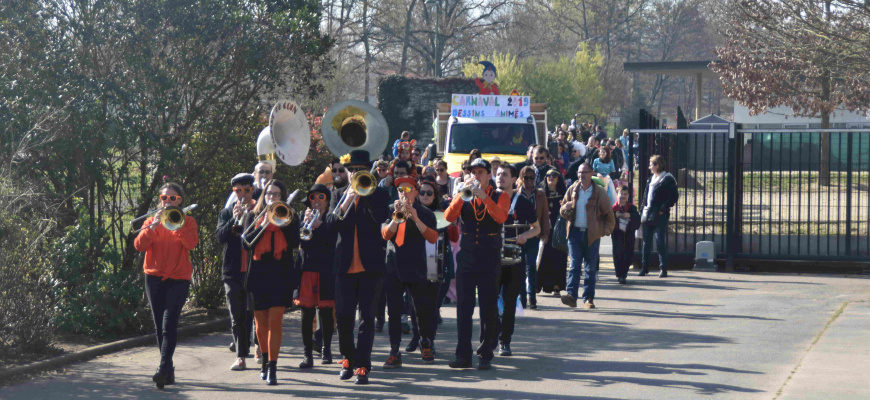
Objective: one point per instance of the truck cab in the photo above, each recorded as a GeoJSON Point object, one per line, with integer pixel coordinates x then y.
{"type": "Point", "coordinates": [506, 137]}
{"type": "Point", "coordinates": [509, 139]}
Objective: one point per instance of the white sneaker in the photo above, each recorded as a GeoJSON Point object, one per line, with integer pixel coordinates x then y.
{"type": "Point", "coordinates": [259, 356]}
{"type": "Point", "coordinates": [239, 365]}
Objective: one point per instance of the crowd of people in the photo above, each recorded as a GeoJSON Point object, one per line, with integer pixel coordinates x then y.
{"type": "Point", "coordinates": [387, 238]}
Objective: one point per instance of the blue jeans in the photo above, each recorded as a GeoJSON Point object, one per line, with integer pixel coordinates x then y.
{"type": "Point", "coordinates": [584, 254]}
{"type": "Point", "coordinates": [530, 255]}
{"type": "Point", "coordinates": [661, 234]}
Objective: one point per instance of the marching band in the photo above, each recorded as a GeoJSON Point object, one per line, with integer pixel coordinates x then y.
{"type": "Point", "coordinates": [361, 234]}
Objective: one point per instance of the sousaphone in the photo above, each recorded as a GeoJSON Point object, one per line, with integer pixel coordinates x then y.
{"type": "Point", "coordinates": [289, 132]}
{"type": "Point", "coordinates": [265, 148]}
{"type": "Point", "coordinates": [354, 125]}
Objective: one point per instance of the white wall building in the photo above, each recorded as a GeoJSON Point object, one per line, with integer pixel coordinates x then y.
{"type": "Point", "coordinates": [783, 118]}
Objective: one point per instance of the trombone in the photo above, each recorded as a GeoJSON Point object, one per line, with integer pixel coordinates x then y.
{"type": "Point", "coordinates": [307, 230]}
{"type": "Point", "coordinates": [172, 217]}
{"type": "Point", "coordinates": [363, 184]}
{"type": "Point", "coordinates": [277, 213]}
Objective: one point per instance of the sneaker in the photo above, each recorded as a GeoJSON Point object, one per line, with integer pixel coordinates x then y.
{"type": "Point", "coordinates": [362, 376]}
{"type": "Point", "coordinates": [393, 362]}
{"type": "Point", "coordinates": [413, 345]}
{"type": "Point", "coordinates": [663, 274]}
{"type": "Point", "coordinates": [589, 304]}
{"type": "Point", "coordinates": [259, 356]}
{"type": "Point", "coordinates": [239, 365]}
{"type": "Point", "coordinates": [569, 301]}
{"type": "Point", "coordinates": [346, 373]}
{"type": "Point", "coordinates": [505, 350]}
{"type": "Point", "coordinates": [643, 271]}
{"type": "Point", "coordinates": [621, 281]}
{"type": "Point", "coordinates": [483, 364]}
{"type": "Point", "coordinates": [460, 363]}
{"type": "Point", "coordinates": [428, 356]}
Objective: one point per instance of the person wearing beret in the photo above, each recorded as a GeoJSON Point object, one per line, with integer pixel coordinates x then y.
{"type": "Point", "coordinates": [317, 284]}
{"type": "Point", "coordinates": [235, 264]}
{"type": "Point", "coordinates": [407, 269]}
{"type": "Point", "coordinates": [478, 261]}
{"type": "Point", "coordinates": [167, 276]}
{"type": "Point", "coordinates": [269, 277]}
{"type": "Point", "coordinates": [359, 266]}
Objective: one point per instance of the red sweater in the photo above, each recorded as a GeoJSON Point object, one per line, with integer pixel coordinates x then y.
{"type": "Point", "coordinates": [167, 253]}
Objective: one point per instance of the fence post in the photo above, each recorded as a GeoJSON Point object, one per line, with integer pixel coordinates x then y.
{"type": "Point", "coordinates": [848, 194]}
{"type": "Point", "coordinates": [731, 187]}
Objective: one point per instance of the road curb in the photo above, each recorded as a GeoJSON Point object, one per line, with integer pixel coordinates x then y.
{"type": "Point", "coordinates": [103, 349]}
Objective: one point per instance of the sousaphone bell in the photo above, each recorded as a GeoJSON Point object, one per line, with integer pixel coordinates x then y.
{"type": "Point", "coordinates": [354, 125]}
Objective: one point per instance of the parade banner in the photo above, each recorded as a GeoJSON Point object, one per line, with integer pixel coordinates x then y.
{"type": "Point", "coordinates": [480, 105]}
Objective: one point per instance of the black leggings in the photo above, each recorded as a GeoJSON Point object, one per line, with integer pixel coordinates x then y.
{"type": "Point", "coordinates": [327, 326]}
{"type": "Point", "coordinates": [166, 298]}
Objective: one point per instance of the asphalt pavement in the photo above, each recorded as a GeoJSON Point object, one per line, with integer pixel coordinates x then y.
{"type": "Point", "coordinates": [692, 335]}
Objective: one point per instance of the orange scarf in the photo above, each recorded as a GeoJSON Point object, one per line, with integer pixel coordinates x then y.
{"type": "Point", "coordinates": [265, 243]}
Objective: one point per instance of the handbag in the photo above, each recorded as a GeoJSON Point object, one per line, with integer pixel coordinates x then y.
{"type": "Point", "coordinates": [649, 216]}
{"type": "Point", "coordinates": [559, 240]}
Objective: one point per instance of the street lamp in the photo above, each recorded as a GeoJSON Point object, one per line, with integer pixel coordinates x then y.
{"type": "Point", "coordinates": [436, 55]}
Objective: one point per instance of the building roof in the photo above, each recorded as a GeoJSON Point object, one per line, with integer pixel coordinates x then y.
{"type": "Point", "coordinates": [683, 68]}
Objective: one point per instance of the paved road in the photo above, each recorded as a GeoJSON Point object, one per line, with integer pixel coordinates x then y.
{"type": "Point", "coordinates": [694, 335]}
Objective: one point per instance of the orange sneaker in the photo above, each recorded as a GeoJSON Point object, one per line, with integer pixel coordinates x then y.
{"type": "Point", "coordinates": [428, 356]}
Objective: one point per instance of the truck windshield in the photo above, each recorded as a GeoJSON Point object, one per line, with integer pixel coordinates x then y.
{"type": "Point", "coordinates": [497, 138]}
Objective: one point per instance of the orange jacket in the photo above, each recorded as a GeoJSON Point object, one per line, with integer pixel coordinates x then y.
{"type": "Point", "coordinates": [167, 253]}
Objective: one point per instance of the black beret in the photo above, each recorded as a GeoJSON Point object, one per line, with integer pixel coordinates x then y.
{"type": "Point", "coordinates": [242, 179]}
{"type": "Point", "coordinates": [481, 163]}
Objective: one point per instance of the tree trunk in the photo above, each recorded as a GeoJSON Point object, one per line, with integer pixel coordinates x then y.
{"type": "Point", "coordinates": [825, 150]}
{"type": "Point", "coordinates": [368, 59]}
{"type": "Point", "coordinates": [406, 38]}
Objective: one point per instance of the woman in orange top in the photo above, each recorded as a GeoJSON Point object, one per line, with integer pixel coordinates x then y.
{"type": "Point", "coordinates": [167, 276]}
{"type": "Point", "coordinates": [270, 279]}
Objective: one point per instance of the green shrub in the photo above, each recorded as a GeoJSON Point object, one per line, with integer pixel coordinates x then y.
{"type": "Point", "coordinates": [92, 295]}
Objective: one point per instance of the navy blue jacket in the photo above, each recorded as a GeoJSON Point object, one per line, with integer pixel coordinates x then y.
{"type": "Point", "coordinates": [365, 218]}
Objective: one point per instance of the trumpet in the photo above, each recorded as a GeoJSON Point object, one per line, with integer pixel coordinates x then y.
{"type": "Point", "coordinates": [467, 193]}
{"type": "Point", "coordinates": [238, 222]}
{"type": "Point", "coordinates": [172, 217]}
{"type": "Point", "coordinates": [308, 227]}
{"type": "Point", "coordinates": [363, 184]}
{"type": "Point", "coordinates": [400, 216]}
{"type": "Point", "coordinates": [278, 213]}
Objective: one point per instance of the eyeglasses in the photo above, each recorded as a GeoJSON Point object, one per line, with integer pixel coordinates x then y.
{"type": "Point", "coordinates": [164, 197]}
{"type": "Point", "coordinates": [273, 193]}
{"type": "Point", "coordinates": [265, 172]}
{"type": "Point", "coordinates": [405, 189]}
{"type": "Point", "coordinates": [427, 193]}
{"type": "Point", "coordinates": [242, 190]}
{"type": "Point", "coordinates": [341, 170]}
{"type": "Point", "coordinates": [316, 196]}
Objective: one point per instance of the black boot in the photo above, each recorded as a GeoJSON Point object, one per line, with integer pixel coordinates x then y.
{"type": "Point", "coordinates": [170, 376]}
{"type": "Point", "coordinates": [327, 354]}
{"type": "Point", "coordinates": [307, 360]}
{"type": "Point", "coordinates": [159, 378]}
{"type": "Point", "coordinates": [264, 366]}
{"type": "Point", "coordinates": [272, 379]}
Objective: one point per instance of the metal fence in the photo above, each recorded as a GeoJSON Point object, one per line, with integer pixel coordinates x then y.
{"type": "Point", "coordinates": [759, 194]}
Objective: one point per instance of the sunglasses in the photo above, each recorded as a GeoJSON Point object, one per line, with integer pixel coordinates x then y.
{"type": "Point", "coordinates": [551, 176]}
{"type": "Point", "coordinates": [405, 189]}
{"type": "Point", "coordinates": [242, 190]}
{"type": "Point", "coordinates": [540, 158]}
{"type": "Point", "coordinates": [316, 196]}
{"type": "Point", "coordinates": [353, 169]}
{"type": "Point", "coordinates": [441, 170]}
{"type": "Point", "coordinates": [164, 197]}
{"type": "Point", "coordinates": [528, 178]}
{"type": "Point", "coordinates": [427, 193]}
{"type": "Point", "coordinates": [341, 170]}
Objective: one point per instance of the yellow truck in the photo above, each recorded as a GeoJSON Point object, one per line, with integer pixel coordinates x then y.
{"type": "Point", "coordinates": [502, 126]}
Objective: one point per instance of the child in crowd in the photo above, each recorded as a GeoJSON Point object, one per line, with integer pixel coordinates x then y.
{"type": "Point", "coordinates": [627, 222]}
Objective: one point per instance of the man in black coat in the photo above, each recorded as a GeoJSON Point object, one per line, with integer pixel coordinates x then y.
{"type": "Point", "coordinates": [359, 265]}
{"type": "Point", "coordinates": [235, 260]}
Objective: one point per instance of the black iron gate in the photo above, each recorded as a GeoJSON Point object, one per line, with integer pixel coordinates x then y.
{"type": "Point", "coordinates": [759, 194]}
